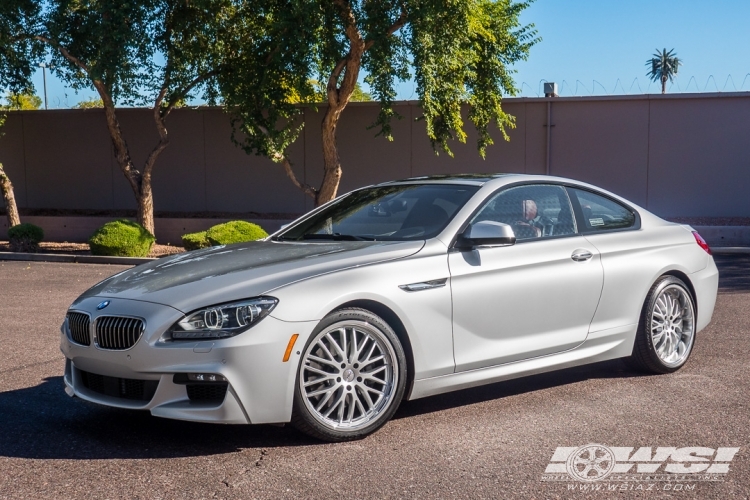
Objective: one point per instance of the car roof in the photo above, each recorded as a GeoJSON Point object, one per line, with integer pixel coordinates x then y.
{"type": "Point", "coordinates": [472, 179]}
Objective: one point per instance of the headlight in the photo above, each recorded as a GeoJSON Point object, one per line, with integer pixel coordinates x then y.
{"type": "Point", "coordinates": [222, 321]}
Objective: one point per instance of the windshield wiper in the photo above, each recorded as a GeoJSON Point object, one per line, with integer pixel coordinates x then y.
{"type": "Point", "coordinates": [337, 237]}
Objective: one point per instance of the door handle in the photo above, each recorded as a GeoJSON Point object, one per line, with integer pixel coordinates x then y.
{"type": "Point", "coordinates": [581, 254]}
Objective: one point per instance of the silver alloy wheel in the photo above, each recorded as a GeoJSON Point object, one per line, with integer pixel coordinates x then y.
{"type": "Point", "coordinates": [348, 375]}
{"type": "Point", "coordinates": [672, 325]}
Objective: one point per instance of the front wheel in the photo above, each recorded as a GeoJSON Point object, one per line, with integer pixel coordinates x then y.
{"type": "Point", "coordinates": [351, 377]}
{"type": "Point", "coordinates": [666, 331]}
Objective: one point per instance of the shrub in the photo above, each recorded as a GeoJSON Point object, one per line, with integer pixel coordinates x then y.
{"type": "Point", "coordinates": [25, 237]}
{"type": "Point", "coordinates": [121, 238]}
{"type": "Point", "coordinates": [235, 231]}
{"type": "Point", "coordinates": [194, 241]}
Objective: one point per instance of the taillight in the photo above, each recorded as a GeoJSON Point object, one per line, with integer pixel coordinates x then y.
{"type": "Point", "coordinates": [701, 242]}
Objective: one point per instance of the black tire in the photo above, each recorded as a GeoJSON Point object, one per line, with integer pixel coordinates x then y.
{"type": "Point", "coordinates": [645, 357]}
{"type": "Point", "coordinates": [306, 419]}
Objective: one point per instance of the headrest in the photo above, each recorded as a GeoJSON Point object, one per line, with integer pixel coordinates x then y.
{"type": "Point", "coordinates": [529, 209]}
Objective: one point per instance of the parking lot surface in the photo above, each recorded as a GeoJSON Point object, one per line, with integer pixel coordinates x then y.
{"type": "Point", "coordinates": [490, 442]}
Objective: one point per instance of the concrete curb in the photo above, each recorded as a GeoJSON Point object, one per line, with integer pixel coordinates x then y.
{"type": "Point", "coordinates": [730, 250]}
{"type": "Point", "coordinates": [79, 259]}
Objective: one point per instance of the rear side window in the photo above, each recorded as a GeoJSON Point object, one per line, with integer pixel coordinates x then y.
{"type": "Point", "coordinates": [602, 214]}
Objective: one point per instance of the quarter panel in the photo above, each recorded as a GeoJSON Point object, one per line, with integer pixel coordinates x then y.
{"type": "Point", "coordinates": [632, 261]}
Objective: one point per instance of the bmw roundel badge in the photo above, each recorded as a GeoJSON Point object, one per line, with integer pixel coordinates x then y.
{"type": "Point", "coordinates": [102, 305]}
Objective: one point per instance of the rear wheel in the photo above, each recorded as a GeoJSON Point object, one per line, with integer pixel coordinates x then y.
{"type": "Point", "coordinates": [666, 331]}
{"type": "Point", "coordinates": [351, 377]}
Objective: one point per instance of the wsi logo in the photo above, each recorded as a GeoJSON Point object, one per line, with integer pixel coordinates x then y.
{"type": "Point", "coordinates": [597, 462]}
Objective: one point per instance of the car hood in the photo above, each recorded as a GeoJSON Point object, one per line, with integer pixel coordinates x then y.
{"type": "Point", "coordinates": [219, 274]}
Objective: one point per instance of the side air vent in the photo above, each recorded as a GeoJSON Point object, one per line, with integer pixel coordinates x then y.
{"type": "Point", "coordinates": [117, 333]}
{"type": "Point", "coordinates": [207, 392]}
{"type": "Point", "coordinates": [78, 325]}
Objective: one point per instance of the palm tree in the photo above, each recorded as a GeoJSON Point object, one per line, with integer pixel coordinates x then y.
{"type": "Point", "coordinates": [663, 67]}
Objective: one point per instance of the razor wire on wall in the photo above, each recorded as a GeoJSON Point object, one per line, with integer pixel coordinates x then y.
{"type": "Point", "coordinates": [580, 89]}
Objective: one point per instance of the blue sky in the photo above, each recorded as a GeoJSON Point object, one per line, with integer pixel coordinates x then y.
{"type": "Point", "coordinates": [607, 40]}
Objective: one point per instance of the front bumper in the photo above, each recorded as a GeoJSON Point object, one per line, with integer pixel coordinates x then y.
{"type": "Point", "coordinates": [260, 383]}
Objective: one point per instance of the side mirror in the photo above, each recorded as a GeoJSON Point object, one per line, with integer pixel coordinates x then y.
{"type": "Point", "coordinates": [486, 233]}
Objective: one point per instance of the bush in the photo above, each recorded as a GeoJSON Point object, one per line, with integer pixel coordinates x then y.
{"type": "Point", "coordinates": [25, 237]}
{"type": "Point", "coordinates": [121, 238]}
{"type": "Point", "coordinates": [194, 241]}
{"type": "Point", "coordinates": [235, 231]}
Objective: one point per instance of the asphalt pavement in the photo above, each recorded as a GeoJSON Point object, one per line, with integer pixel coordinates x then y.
{"type": "Point", "coordinates": [490, 442]}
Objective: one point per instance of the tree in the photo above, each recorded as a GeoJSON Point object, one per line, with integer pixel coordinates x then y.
{"type": "Point", "coordinates": [160, 52]}
{"type": "Point", "coordinates": [18, 56]}
{"type": "Point", "coordinates": [6, 187]}
{"type": "Point", "coordinates": [320, 95]}
{"type": "Point", "coordinates": [459, 52]}
{"type": "Point", "coordinates": [90, 103]}
{"type": "Point", "coordinates": [23, 101]}
{"type": "Point", "coordinates": [662, 67]}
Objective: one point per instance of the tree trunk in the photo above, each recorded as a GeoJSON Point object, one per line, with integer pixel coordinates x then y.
{"type": "Point", "coordinates": [331, 161]}
{"type": "Point", "coordinates": [338, 91]}
{"type": "Point", "coordinates": [145, 213]}
{"type": "Point", "coordinates": [10, 200]}
{"type": "Point", "coordinates": [663, 85]}
{"type": "Point", "coordinates": [143, 195]}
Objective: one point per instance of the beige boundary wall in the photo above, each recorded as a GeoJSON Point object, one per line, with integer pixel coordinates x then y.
{"type": "Point", "coordinates": [677, 155]}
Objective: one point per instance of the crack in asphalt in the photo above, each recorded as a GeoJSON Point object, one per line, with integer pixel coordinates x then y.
{"type": "Point", "coordinates": [32, 365]}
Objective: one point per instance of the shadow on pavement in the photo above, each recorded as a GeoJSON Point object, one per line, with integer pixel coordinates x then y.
{"type": "Point", "coordinates": [606, 369]}
{"type": "Point", "coordinates": [42, 422]}
{"type": "Point", "coordinates": [734, 273]}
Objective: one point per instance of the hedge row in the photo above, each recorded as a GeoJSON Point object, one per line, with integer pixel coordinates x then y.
{"type": "Point", "coordinates": [236, 231]}
{"type": "Point", "coordinates": [125, 238]}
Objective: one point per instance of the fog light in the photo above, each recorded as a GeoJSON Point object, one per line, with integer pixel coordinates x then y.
{"type": "Point", "coordinates": [205, 377]}
{"type": "Point", "coordinates": [192, 378]}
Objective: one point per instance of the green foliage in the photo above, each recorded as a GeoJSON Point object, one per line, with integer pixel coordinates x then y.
{"type": "Point", "coordinates": [110, 38]}
{"type": "Point", "coordinates": [90, 103]}
{"type": "Point", "coordinates": [234, 232]}
{"type": "Point", "coordinates": [137, 52]}
{"type": "Point", "coordinates": [122, 238]}
{"type": "Point", "coordinates": [194, 241]}
{"type": "Point", "coordinates": [319, 94]}
{"type": "Point", "coordinates": [25, 237]}
{"type": "Point", "coordinates": [360, 95]}
{"type": "Point", "coordinates": [24, 100]}
{"type": "Point", "coordinates": [19, 53]}
{"type": "Point", "coordinates": [663, 66]}
{"type": "Point", "coordinates": [457, 52]}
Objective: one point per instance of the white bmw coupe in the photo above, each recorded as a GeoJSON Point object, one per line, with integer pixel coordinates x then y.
{"type": "Point", "coordinates": [396, 291]}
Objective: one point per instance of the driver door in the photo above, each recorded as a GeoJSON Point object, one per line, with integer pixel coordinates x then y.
{"type": "Point", "coordinates": [533, 298]}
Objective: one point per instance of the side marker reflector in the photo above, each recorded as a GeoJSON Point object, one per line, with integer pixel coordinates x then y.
{"type": "Point", "coordinates": [289, 347]}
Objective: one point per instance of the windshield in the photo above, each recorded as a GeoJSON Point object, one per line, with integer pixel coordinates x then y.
{"type": "Point", "coordinates": [394, 213]}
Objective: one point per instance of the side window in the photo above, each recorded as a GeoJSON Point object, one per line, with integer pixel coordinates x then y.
{"type": "Point", "coordinates": [600, 213]}
{"type": "Point", "coordinates": [535, 211]}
